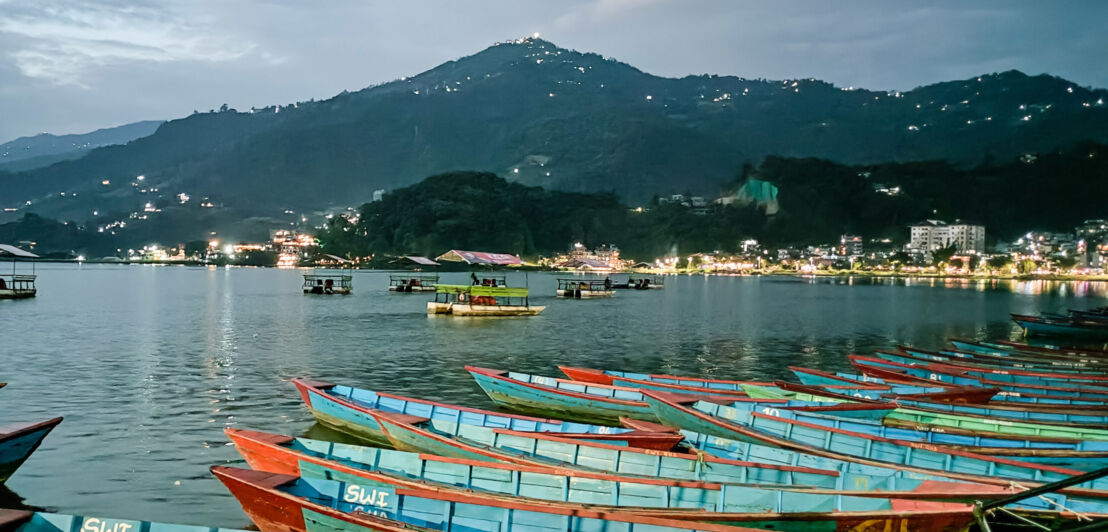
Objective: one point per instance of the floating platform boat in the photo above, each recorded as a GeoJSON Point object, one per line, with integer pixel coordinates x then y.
{"type": "Point", "coordinates": [16, 285]}
{"type": "Point", "coordinates": [482, 301]}
{"type": "Point", "coordinates": [18, 441]}
{"type": "Point", "coordinates": [414, 282]}
{"type": "Point", "coordinates": [323, 282]}
{"type": "Point", "coordinates": [576, 288]}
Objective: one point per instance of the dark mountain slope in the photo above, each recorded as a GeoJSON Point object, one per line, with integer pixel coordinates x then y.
{"type": "Point", "coordinates": [541, 115]}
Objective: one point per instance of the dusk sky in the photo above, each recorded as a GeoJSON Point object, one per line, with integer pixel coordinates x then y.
{"type": "Point", "coordinates": [75, 66]}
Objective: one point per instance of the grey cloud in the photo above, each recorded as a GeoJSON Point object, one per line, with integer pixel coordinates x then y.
{"type": "Point", "coordinates": [68, 66]}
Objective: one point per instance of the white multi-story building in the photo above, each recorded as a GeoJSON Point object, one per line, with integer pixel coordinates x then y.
{"type": "Point", "coordinates": [931, 235]}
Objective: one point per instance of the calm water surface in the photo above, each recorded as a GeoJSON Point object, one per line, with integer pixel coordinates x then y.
{"type": "Point", "coordinates": [148, 364]}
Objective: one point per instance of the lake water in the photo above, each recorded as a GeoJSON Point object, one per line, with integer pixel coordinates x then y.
{"type": "Point", "coordinates": [148, 364]}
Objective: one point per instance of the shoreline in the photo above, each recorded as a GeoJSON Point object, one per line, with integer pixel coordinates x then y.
{"type": "Point", "coordinates": [769, 273]}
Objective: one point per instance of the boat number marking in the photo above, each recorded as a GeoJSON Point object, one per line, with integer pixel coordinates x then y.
{"type": "Point", "coordinates": [771, 411]}
{"type": "Point", "coordinates": [359, 495]}
{"type": "Point", "coordinates": [934, 377]}
{"type": "Point", "coordinates": [93, 524]}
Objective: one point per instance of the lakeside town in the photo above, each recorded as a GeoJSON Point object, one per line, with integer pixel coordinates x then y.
{"type": "Point", "coordinates": [933, 248]}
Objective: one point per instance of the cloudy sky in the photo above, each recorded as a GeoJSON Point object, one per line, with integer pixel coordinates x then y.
{"type": "Point", "coordinates": [76, 65]}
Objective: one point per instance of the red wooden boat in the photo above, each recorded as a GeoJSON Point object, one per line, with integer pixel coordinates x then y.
{"type": "Point", "coordinates": [265, 451]}
{"type": "Point", "coordinates": [271, 453]}
{"type": "Point", "coordinates": [597, 376]}
{"type": "Point", "coordinates": [273, 507]}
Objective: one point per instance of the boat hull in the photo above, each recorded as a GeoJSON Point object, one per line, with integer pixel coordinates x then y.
{"type": "Point", "coordinates": [478, 311]}
{"type": "Point", "coordinates": [27, 521]}
{"type": "Point", "coordinates": [17, 294]}
{"type": "Point", "coordinates": [585, 294]}
{"type": "Point", "coordinates": [328, 291]}
{"type": "Point", "coordinates": [18, 441]}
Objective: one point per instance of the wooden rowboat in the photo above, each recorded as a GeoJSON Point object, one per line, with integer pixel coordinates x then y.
{"type": "Point", "coordinates": [999, 365]}
{"type": "Point", "coordinates": [901, 385]}
{"type": "Point", "coordinates": [991, 412]}
{"type": "Point", "coordinates": [607, 404]}
{"type": "Point", "coordinates": [1020, 346]}
{"type": "Point", "coordinates": [28, 521]}
{"type": "Point", "coordinates": [1031, 361]}
{"type": "Point", "coordinates": [730, 423]}
{"type": "Point", "coordinates": [1061, 326]}
{"type": "Point", "coordinates": [364, 465]}
{"type": "Point", "coordinates": [757, 464]}
{"type": "Point", "coordinates": [18, 441]}
{"type": "Point", "coordinates": [1006, 373]}
{"type": "Point", "coordinates": [935, 373]}
{"type": "Point", "coordinates": [284, 503]}
{"type": "Point", "coordinates": [350, 410]}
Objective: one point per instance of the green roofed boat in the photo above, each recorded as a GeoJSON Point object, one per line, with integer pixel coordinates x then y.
{"type": "Point", "coordinates": [480, 301]}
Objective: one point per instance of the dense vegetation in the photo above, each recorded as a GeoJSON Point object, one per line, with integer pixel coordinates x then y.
{"type": "Point", "coordinates": [819, 201]}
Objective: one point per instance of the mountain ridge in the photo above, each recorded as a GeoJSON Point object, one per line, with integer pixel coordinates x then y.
{"type": "Point", "coordinates": [44, 149]}
{"type": "Point", "coordinates": [543, 115]}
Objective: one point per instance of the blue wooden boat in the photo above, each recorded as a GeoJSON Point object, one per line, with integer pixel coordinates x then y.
{"type": "Point", "coordinates": [350, 410]}
{"type": "Point", "coordinates": [290, 504]}
{"type": "Point", "coordinates": [537, 449]}
{"type": "Point", "coordinates": [28, 521]}
{"type": "Point", "coordinates": [759, 463]}
{"type": "Point", "coordinates": [371, 466]}
{"type": "Point", "coordinates": [1030, 363]}
{"type": "Point", "coordinates": [861, 477]}
{"type": "Point", "coordinates": [859, 383]}
{"type": "Point", "coordinates": [991, 411]}
{"type": "Point", "coordinates": [1060, 326]}
{"type": "Point", "coordinates": [18, 441]}
{"type": "Point", "coordinates": [983, 362]}
{"type": "Point", "coordinates": [1005, 348]}
{"type": "Point", "coordinates": [736, 424]}
{"type": "Point", "coordinates": [1093, 382]}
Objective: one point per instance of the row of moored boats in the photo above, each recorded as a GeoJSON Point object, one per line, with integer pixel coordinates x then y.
{"type": "Point", "coordinates": [976, 436]}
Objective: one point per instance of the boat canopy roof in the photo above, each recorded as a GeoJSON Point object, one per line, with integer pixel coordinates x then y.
{"type": "Point", "coordinates": [327, 275]}
{"type": "Point", "coordinates": [421, 260]}
{"type": "Point", "coordinates": [475, 290]}
{"type": "Point", "coordinates": [6, 250]}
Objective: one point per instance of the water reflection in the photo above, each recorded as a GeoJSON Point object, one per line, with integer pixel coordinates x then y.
{"type": "Point", "coordinates": [150, 364]}
{"type": "Point", "coordinates": [1098, 289]}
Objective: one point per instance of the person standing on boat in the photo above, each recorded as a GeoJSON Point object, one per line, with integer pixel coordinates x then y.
{"type": "Point", "coordinates": [607, 283]}
{"type": "Point", "coordinates": [473, 276]}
